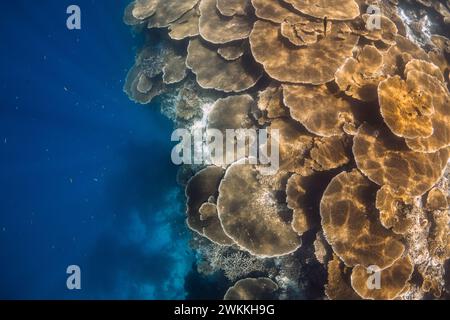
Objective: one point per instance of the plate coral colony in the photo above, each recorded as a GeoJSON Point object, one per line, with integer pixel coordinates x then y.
{"type": "Point", "coordinates": [358, 91]}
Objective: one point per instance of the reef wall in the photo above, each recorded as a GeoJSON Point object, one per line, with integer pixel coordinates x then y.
{"type": "Point", "coordinates": [364, 121]}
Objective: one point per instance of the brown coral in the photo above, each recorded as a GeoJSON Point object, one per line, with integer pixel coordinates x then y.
{"type": "Point", "coordinates": [214, 72]}
{"type": "Point", "coordinates": [294, 144]}
{"type": "Point", "coordinates": [296, 194]}
{"type": "Point", "coordinates": [386, 160]}
{"type": "Point", "coordinates": [144, 84]}
{"type": "Point", "coordinates": [252, 215]}
{"type": "Point", "coordinates": [440, 138]}
{"type": "Point", "coordinates": [359, 77]}
{"type": "Point", "coordinates": [273, 10]}
{"type": "Point", "coordinates": [318, 109]}
{"type": "Point", "coordinates": [313, 71]}
{"type": "Point", "coordinates": [386, 33]}
{"type": "Point", "coordinates": [439, 53]}
{"type": "Point", "coordinates": [302, 32]}
{"type": "Point", "coordinates": [329, 153]}
{"type": "Point", "coordinates": [186, 26]}
{"type": "Point", "coordinates": [313, 64]}
{"type": "Point", "coordinates": [400, 54]}
{"type": "Point", "coordinates": [252, 289]}
{"type": "Point", "coordinates": [128, 17]}
{"type": "Point", "coordinates": [212, 228]}
{"type": "Point", "coordinates": [153, 69]}
{"type": "Point", "coordinates": [393, 280]}
{"type": "Point", "coordinates": [393, 211]}
{"type": "Point", "coordinates": [199, 189]}
{"type": "Point", "coordinates": [230, 8]}
{"type": "Point", "coordinates": [437, 200]}
{"type": "Point", "coordinates": [231, 113]}
{"type": "Point", "coordinates": [168, 11]}
{"type": "Point", "coordinates": [338, 286]}
{"type": "Point", "coordinates": [232, 51]}
{"type": "Point", "coordinates": [270, 101]}
{"type": "Point", "coordinates": [321, 248]}
{"type": "Point", "coordinates": [425, 67]}
{"type": "Point", "coordinates": [218, 29]}
{"type": "Point", "coordinates": [439, 240]}
{"type": "Point", "coordinates": [140, 88]}
{"type": "Point", "coordinates": [174, 70]}
{"type": "Point", "coordinates": [350, 226]}
{"type": "Point", "coordinates": [407, 106]}
{"type": "Point", "coordinates": [330, 9]}
{"type": "Point", "coordinates": [302, 153]}
{"type": "Point", "coordinates": [143, 9]}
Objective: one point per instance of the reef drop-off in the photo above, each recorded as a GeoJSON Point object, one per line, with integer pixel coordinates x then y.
{"type": "Point", "coordinates": [364, 122]}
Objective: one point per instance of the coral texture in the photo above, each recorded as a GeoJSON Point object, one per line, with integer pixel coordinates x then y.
{"type": "Point", "coordinates": [363, 117]}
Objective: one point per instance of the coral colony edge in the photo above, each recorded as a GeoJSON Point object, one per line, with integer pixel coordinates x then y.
{"type": "Point", "coordinates": [357, 94]}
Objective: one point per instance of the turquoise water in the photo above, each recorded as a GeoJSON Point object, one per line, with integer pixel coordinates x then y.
{"type": "Point", "coordinates": [85, 174]}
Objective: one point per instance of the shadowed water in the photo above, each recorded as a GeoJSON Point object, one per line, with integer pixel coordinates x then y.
{"type": "Point", "coordinates": [85, 174]}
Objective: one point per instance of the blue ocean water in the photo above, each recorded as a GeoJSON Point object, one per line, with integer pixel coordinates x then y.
{"type": "Point", "coordinates": [85, 174]}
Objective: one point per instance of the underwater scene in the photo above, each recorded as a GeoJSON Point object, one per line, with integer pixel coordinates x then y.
{"type": "Point", "coordinates": [225, 150]}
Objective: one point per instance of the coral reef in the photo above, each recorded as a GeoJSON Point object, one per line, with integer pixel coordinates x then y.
{"type": "Point", "coordinates": [234, 263]}
{"type": "Point", "coordinates": [252, 289]}
{"type": "Point", "coordinates": [363, 116]}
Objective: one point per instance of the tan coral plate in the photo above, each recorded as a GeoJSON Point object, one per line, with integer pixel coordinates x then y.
{"type": "Point", "coordinates": [362, 120]}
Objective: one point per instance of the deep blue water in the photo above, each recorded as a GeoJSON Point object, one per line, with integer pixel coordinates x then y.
{"type": "Point", "coordinates": [85, 174]}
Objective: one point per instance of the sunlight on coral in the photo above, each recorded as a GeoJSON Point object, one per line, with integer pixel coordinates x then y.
{"type": "Point", "coordinates": [364, 122]}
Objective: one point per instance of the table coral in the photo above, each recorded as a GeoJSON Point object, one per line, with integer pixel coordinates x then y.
{"type": "Point", "coordinates": [252, 289]}
{"type": "Point", "coordinates": [363, 117]}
